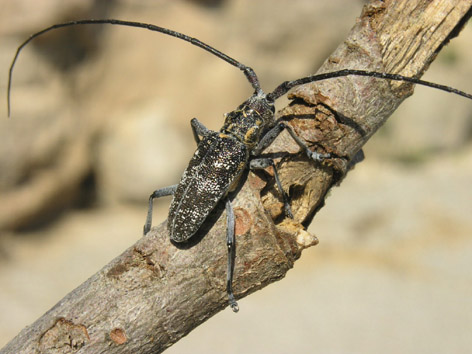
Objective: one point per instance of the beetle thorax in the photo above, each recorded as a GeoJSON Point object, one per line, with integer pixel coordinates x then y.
{"type": "Point", "coordinates": [247, 122]}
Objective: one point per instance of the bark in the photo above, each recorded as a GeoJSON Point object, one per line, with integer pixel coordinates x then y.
{"type": "Point", "coordinates": [154, 293]}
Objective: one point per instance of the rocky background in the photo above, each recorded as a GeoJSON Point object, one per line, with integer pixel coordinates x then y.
{"type": "Point", "coordinates": [100, 118]}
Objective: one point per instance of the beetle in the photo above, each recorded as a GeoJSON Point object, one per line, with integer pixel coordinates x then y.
{"type": "Point", "coordinates": [221, 157]}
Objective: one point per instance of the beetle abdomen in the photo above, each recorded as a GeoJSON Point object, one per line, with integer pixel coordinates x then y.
{"type": "Point", "coordinates": [215, 166]}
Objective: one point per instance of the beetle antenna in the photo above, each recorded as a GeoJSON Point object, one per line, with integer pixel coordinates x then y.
{"type": "Point", "coordinates": [248, 72]}
{"type": "Point", "coordinates": [284, 87]}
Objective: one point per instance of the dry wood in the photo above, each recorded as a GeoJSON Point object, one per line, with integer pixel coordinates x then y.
{"type": "Point", "coordinates": [155, 293]}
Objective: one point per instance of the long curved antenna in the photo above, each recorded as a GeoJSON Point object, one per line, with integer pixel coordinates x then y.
{"type": "Point", "coordinates": [284, 87]}
{"type": "Point", "coordinates": [250, 74]}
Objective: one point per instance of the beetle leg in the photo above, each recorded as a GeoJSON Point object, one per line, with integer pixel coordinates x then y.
{"type": "Point", "coordinates": [231, 244]}
{"type": "Point", "coordinates": [162, 192]}
{"type": "Point", "coordinates": [198, 129]}
{"type": "Point", "coordinates": [264, 162]}
{"type": "Point", "coordinates": [270, 136]}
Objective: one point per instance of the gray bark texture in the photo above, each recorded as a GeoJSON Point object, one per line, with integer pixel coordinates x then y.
{"type": "Point", "coordinates": [154, 293]}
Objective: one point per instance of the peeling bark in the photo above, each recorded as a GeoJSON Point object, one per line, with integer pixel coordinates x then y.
{"type": "Point", "coordinates": [154, 293]}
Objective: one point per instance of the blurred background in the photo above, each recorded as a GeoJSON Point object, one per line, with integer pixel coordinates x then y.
{"type": "Point", "coordinates": [100, 118]}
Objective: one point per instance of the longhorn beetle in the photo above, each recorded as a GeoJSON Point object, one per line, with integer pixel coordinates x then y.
{"type": "Point", "coordinates": [221, 157]}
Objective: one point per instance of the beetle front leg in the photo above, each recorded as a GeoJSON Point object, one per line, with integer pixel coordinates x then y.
{"type": "Point", "coordinates": [231, 244]}
{"type": "Point", "coordinates": [264, 162]}
{"type": "Point", "coordinates": [198, 129]}
{"type": "Point", "coordinates": [270, 136]}
{"type": "Point", "coordinates": [162, 192]}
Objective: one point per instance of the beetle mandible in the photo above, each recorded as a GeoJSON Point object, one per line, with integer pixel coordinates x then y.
{"type": "Point", "coordinates": [221, 157]}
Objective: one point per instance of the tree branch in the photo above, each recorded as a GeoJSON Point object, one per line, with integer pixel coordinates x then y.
{"type": "Point", "coordinates": [155, 293]}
